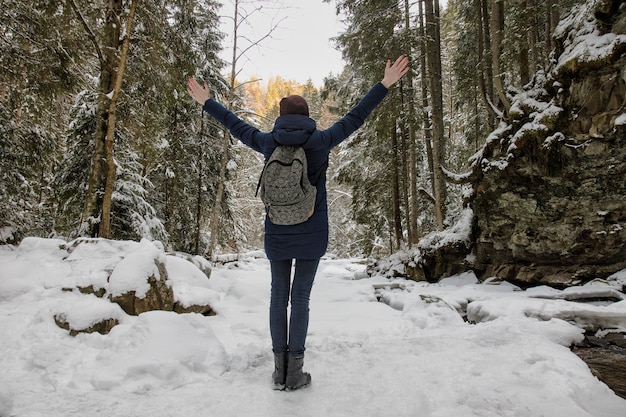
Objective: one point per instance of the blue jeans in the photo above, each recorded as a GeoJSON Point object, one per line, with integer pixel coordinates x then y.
{"type": "Point", "coordinates": [304, 275]}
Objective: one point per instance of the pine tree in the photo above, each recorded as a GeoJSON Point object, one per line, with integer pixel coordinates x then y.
{"type": "Point", "coordinates": [36, 68]}
{"type": "Point", "coordinates": [70, 180]}
{"type": "Point", "coordinates": [133, 217]}
{"type": "Point", "coordinates": [181, 154]}
{"type": "Point", "coordinates": [380, 191]}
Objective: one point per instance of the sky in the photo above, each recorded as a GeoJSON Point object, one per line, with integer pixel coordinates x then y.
{"type": "Point", "coordinates": [299, 49]}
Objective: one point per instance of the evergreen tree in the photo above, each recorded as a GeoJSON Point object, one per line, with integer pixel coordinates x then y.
{"type": "Point", "coordinates": [375, 169]}
{"type": "Point", "coordinates": [36, 68]}
{"type": "Point", "coordinates": [473, 126]}
{"type": "Point", "coordinates": [133, 217]}
{"type": "Point", "coordinates": [497, 46]}
{"type": "Point", "coordinates": [70, 181]}
{"type": "Point", "coordinates": [181, 154]}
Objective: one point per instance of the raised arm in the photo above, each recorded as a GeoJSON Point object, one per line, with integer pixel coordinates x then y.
{"type": "Point", "coordinates": [396, 71]}
{"type": "Point", "coordinates": [197, 92]}
{"type": "Point", "coordinates": [247, 134]}
{"type": "Point", "coordinates": [356, 117]}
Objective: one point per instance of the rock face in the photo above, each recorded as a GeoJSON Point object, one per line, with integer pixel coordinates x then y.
{"type": "Point", "coordinates": [159, 295]}
{"type": "Point", "coordinates": [104, 326]}
{"type": "Point", "coordinates": [550, 184]}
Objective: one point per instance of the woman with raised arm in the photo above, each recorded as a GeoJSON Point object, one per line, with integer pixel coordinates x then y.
{"type": "Point", "coordinates": [301, 245]}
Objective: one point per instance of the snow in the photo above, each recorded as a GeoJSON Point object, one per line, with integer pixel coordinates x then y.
{"type": "Point", "coordinates": [583, 42]}
{"type": "Point", "coordinates": [550, 140]}
{"type": "Point", "coordinates": [460, 231]}
{"type": "Point", "coordinates": [190, 285]}
{"type": "Point", "coordinates": [82, 312]}
{"type": "Point", "coordinates": [411, 354]}
{"type": "Point", "coordinates": [6, 233]}
{"type": "Point", "coordinates": [130, 274]}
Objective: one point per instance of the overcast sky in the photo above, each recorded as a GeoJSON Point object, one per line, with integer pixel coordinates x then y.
{"type": "Point", "coordinates": [299, 49]}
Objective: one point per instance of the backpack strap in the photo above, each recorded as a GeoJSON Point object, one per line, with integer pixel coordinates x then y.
{"type": "Point", "coordinates": [258, 186]}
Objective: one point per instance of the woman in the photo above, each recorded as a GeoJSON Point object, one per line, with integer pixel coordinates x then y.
{"type": "Point", "coordinates": [306, 242]}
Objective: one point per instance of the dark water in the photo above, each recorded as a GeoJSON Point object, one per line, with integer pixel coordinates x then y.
{"type": "Point", "coordinates": [606, 357]}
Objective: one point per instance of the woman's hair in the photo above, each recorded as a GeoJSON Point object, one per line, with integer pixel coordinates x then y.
{"type": "Point", "coordinates": [294, 104]}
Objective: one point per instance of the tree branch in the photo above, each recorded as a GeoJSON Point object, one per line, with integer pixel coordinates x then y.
{"type": "Point", "coordinates": [427, 195]}
{"type": "Point", "coordinates": [465, 178]}
{"type": "Point", "coordinates": [90, 34]}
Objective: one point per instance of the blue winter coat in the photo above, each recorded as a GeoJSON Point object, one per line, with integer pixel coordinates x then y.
{"type": "Point", "coordinates": [307, 240]}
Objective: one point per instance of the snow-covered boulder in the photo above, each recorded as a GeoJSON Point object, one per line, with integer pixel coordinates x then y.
{"type": "Point", "coordinates": [139, 282]}
{"type": "Point", "coordinates": [105, 280]}
{"type": "Point", "coordinates": [191, 289]}
{"type": "Point", "coordinates": [91, 262]}
{"type": "Point", "coordinates": [88, 314]}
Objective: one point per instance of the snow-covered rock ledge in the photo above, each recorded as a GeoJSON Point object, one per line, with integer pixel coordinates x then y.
{"type": "Point", "coordinates": [591, 317]}
{"type": "Point", "coordinates": [596, 306]}
{"type": "Point", "coordinates": [105, 281]}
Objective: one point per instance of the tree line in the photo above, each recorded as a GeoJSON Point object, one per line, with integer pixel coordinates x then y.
{"type": "Point", "coordinates": [99, 139]}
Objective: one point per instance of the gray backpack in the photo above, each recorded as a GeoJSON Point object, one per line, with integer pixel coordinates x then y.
{"type": "Point", "coordinates": [284, 185]}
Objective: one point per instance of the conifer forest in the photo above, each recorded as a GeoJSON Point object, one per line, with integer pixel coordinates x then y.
{"type": "Point", "coordinates": [98, 137]}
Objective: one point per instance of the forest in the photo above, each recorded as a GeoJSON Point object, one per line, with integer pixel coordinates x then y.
{"type": "Point", "coordinates": [476, 263]}
{"type": "Point", "coordinates": [98, 137]}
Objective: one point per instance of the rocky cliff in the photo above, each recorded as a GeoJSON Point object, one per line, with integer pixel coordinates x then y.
{"type": "Point", "coordinates": [549, 186]}
{"type": "Point", "coordinates": [548, 189]}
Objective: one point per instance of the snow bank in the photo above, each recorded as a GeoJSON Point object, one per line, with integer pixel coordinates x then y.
{"type": "Point", "coordinates": [418, 358]}
{"type": "Point", "coordinates": [479, 303]}
{"type": "Point", "coordinates": [6, 400]}
{"type": "Point", "coordinates": [157, 349]}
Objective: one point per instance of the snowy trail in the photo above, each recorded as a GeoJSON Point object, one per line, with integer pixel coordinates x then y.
{"type": "Point", "coordinates": [365, 358]}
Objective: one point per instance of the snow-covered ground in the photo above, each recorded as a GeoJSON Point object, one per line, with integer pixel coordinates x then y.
{"type": "Point", "coordinates": [411, 355]}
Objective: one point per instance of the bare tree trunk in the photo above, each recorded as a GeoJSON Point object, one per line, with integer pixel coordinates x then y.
{"type": "Point", "coordinates": [425, 103]}
{"type": "Point", "coordinates": [395, 183]}
{"type": "Point", "coordinates": [413, 199]}
{"type": "Point", "coordinates": [412, 143]}
{"type": "Point", "coordinates": [478, 142]}
{"type": "Point", "coordinates": [219, 195]}
{"type": "Point", "coordinates": [90, 217]}
{"type": "Point", "coordinates": [552, 15]}
{"type": "Point", "coordinates": [217, 207]}
{"type": "Point", "coordinates": [168, 206]}
{"type": "Point", "coordinates": [404, 178]}
{"type": "Point", "coordinates": [199, 205]}
{"type": "Point", "coordinates": [434, 81]}
{"type": "Point", "coordinates": [105, 224]}
{"type": "Point", "coordinates": [497, 31]}
{"type": "Point", "coordinates": [485, 16]}
{"type": "Point", "coordinates": [485, 80]}
{"type": "Point", "coordinates": [524, 64]}
{"type": "Point", "coordinates": [533, 37]}
{"type": "Point", "coordinates": [239, 17]}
